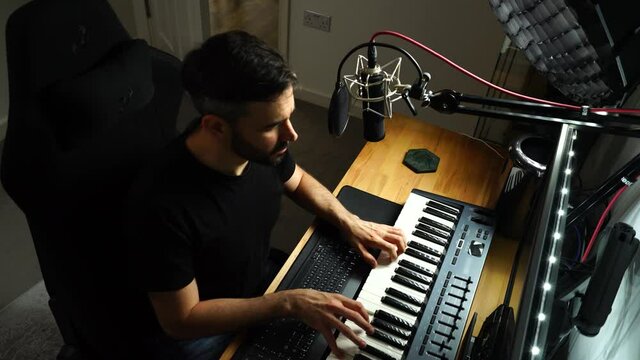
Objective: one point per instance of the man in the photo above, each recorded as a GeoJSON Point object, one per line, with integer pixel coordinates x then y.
{"type": "Point", "coordinates": [201, 215]}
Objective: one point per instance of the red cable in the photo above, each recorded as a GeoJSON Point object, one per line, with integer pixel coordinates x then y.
{"type": "Point", "coordinates": [601, 222]}
{"type": "Point", "coordinates": [501, 89]}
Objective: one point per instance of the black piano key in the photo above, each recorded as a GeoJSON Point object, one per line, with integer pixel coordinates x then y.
{"type": "Point", "coordinates": [424, 248]}
{"type": "Point", "coordinates": [435, 224]}
{"type": "Point", "coordinates": [378, 353]}
{"type": "Point", "coordinates": [390, 328]}
{"type": "Point", "coordinates": [415, 267]}
{"type": "Point", "coordinates": [439, 214]}
{"type": "Point", "coordinates": [445, 208]}
{"type": "Point", "coordinates": [413, 275]}
{"type": "Point", "coordinates": [437, 236]}
{"type": "Point", "coordinates": [422, 256]}
{"type": "Point", "coordinates": [403, 296]}
{"type": "Point", "coordinates": [434, 239]}
{"type": "Point", "coordinates": [390, 318]}
{"type": "Point", "coordinates": [439, 229]}
{"type": "Point", "coordinates": [409, 283]}
{"type": "Point", "coordinates": [399, 305]}
{"type": "Point", "coordinates": [388, 339]}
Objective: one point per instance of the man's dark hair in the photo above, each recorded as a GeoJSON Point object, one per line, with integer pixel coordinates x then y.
{"type": "Point", "coordinates": [231, 69]}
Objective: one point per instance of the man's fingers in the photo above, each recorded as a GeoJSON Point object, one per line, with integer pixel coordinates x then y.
{"type": "Point", "coordinates": [366, 255]}
{"type": "Point", "coordinates": [359, 307]}
{"type": "Point", "coordinates": [385, 246]}
{"type": "Point", "coordinates": [331, 341]}
{"type": "Point", "coordinates": [350, 334]}
{"type": "Point", "coordinates": [397, 240]}
{"type": "Point", "coordinates": [358, 314]}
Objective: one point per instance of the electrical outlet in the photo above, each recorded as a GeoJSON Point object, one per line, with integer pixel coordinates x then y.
{"type": "Point", "coordinates": [317, 21]}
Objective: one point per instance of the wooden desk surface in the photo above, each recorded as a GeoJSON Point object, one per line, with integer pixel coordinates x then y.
{"type": "Point", "coordinates": [469, 171]}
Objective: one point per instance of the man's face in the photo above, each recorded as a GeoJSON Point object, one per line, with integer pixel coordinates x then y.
{"type": "Point", "coordinates": [264, 133]}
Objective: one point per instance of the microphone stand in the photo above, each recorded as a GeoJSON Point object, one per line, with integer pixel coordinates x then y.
{"type": "Point", "coordinates": [449, 102]}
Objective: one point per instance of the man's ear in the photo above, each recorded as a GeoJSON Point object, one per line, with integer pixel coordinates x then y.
{"type": "Point", "coordinates": [213, 124]}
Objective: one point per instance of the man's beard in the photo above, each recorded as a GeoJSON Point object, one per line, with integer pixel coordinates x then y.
{"type": "Point", "coordinates": [246, 150]}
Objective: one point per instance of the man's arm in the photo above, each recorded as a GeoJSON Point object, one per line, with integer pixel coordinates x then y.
{"type": "Point", "coordinates": [183, 316]}
{"type": "Point", "coordinates": [313, 196]}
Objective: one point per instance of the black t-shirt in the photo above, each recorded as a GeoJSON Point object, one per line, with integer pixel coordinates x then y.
{"type": "Point", "coordinates": [188, 221]}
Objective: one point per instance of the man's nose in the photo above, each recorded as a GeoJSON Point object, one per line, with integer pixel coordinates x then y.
{"type": "Point", "coordinates": [288, 132]}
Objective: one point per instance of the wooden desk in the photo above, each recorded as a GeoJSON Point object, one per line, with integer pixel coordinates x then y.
{"type": "Point", "coordinates": [469, 171]}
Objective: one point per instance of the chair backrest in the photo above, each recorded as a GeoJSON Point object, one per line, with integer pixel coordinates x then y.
{"type": "Point", "coordinates": [88, 105]}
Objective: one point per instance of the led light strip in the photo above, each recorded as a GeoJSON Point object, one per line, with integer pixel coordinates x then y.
{"type": "Point", "coordinates": [556, 248]}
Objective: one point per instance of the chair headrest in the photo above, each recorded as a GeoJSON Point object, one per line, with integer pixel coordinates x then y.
{"type": "Point", "coordinates": [94, 101]}
{"type": "Point", "coordinates": [63, 38]}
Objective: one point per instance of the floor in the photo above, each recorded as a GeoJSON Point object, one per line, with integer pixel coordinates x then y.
{"type": "Point", "coordinates": [27, 329]}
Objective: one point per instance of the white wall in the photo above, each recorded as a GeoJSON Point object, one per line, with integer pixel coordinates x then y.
{"type": "Point", "coordinates": [124, 10]}
{"type": "Point", "coordinates": [465, 31]}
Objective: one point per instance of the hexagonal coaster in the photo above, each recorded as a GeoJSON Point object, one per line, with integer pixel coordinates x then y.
{"type": "Point", "coordinates": [421, 160]}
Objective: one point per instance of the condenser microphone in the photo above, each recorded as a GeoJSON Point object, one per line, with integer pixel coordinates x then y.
{"type": "Point", "coordinates": [373, 111]}
{"type": "Point", "coordinates": [376, 88]}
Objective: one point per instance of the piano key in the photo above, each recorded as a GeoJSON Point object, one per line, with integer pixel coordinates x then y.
{"type": "Point", "coordinates": [423, 235]}
{"type": "Point", "coordinates": [422, 256]}
{"type": "Point", "coordinates": [439, 236]}
{"type": "Point", "coordinates": [403, 296]}
{"type": "Point", "coordinates": [350, 349]}
{"type": "Point", "coordinates": [361, 357]}
{"type": "Point", "coordinates": [345, 344]}
{"type": "Point", "coordinates": [432, 235]}
{"type": "Point", "coordinates": [377, 352]}
{"type": "Point", "coordinates": [390, 328]}
{"type": "Point", "coordinates": [386, 348]}
{"type": "Point", "coordinates": [409, 283]}
{"type": "Point", "coordinates": [436, 246]}
{"type": "Point", "coordinates": [436, 222]}
{"type": "Point", "coordinates": [443, 207]}
{"type": "Point", "coordinates": [415, 267]}
{"type": "Point", "coordinates": [427, 265]}
{"type": "Point", "coordinates": [389, 339]}
{"type": "Point", "coordinates": [440, 214]}
{"type": "Point", "coordinates": [379, 290]}
{"type": "Point", "coordinates": [374, 304]}
{"type": "Point", "coordinates": [426, 280]}
{"type": "Point", "coordinates": [397, 304]}
{"type": "Point", "coordinates": [425, 248]}
{"type": "Point", "coordinates": [391, 318]}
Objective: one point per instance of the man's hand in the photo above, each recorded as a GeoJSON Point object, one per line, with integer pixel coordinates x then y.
{"type": "Point", "coordinates": [323, 312]}
{"type": "Point", "coordinates": [363, 234]}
